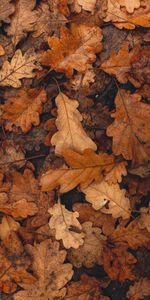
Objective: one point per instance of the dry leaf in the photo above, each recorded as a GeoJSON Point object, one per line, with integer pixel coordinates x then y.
{"type": "Point", "coordinates": [85, 168]}
{"type": "Point", "coordinates": [7, 225]}
{"type": "Point", "coordinates": [23, 109]}
{"type": "Point", "coordinates": [88, 288]}
{"type": "Point", "coordinates": [144, 218]}
{"type": "Point", "coordinates": [118, 263]}
{"type": "Point", "coordinates": [71, 134]}
{"type": "Point", "coordinates": [5, 13]}
{"type": "Point", "coordinates": [115, 175]}
{"type": "Point", "coordinates": [51, 272]}
{"type": "Point", "coordinates": [131, 126]}
{"type": "Point", "coordinates": [21, 66]}
{"type": "Point", "coordinates": [66, 226]}
{"type": "Point", "coordinates": [122, 19]}
{"type": "Point", "coordinates": [75, 50]}
{"type": "Point", "coordinates": [100, 194]}
{"type": "Point", "coordinates": [78, 5]}
{"type": "Point", "coordinates": [2, 51]}
{"type": "Point", "coordinates": [130, 5]}
{"type": "Point", "coordinates": [139, 290]}
{"type": "Point", "coordinates": [98, 219]}
{"type": "Point", "coordinates": [90, 253]}
{"type": "Point", "coordinates": [22, 20]}
{"type": "Point", "coordinates": [49, 19]}
{"type": "Point", "coordinates": [11, 156]}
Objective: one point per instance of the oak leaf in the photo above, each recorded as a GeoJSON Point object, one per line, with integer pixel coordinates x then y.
{"type": "Point", "coordinates": [51, 272]}
{"type": "Point", "coordinates": [131, 235]}
{"type": "Point", "coordinates": [85, 168]}
{"type": "Point", "coordinates": [118, 263]}
{"type": "Point", "coordinates": [21, 66]}
{"type": "Point", "coordinates": [139, 290]}
{"type": "Point", "coordinates": [115, 175]}
{"type": "Point", "coordinates": [23, 109]}
{"type": "Point", "coordinates": [49, 19]}
{"type": "Point", "coordinates": [75, 50]}
{"type": "Point", "coordinates": [78, 5]}
{"type": "Point", "coordinates": [5, 13]}
{"type": "Point", "coordinates": [66, 226]}
{"type": "Point", "coordinates": [71, 134]}
{"type": "Point", "coordinates": [100, 194]}
{"type": "Point", "coordinates": [122, 19]}
{"type": "Point", "coordinates": [90, 253]}
{"type": "Point", "coordinates": [11, 156]}
{"type": "Point", "coordinates": [88, 288]}
{"type": "Point", "coordinates": [7, 225]}
{"type": "Point", "coordinates": [130, 5]}
{"type": "Point", "coordinates": [98, 219]}
{"type": "Point", "coordinates": [131, 128]}
{"type": "Point", "coordinates": [22, 20]}
{"type": "Point", "coordinates": [144, 219]}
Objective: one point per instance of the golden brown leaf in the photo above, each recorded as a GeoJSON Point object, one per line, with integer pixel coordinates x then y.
{"type": "Point", "coordinates": [51, 272]}
{"type": "Point", "coordinates": [84, 169]}
{"type": "Point", "coordinates": [75, 50]}
{"type": "Point", "coordinates": [131, 127]}
{"type": "Point", "coordinates": [21, 66]}
{"type": "Point", "coordinates": [71, 134]}
{"type": "Point", "coordinates": [5, 13]}
{"type": "Point", "coordinates": [23, 109]}
{"type": "Point", "coordinates": [139, 290]}
{"type": "Point", "coordinates": [66, 226]}
{"type": "Point", "coordinates": [130, 5]}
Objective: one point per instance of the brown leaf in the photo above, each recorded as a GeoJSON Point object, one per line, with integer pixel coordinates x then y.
{"type": "Point", "coordinates": [21, 66]}
{"type": "Point", "coordinates": [139, 290]}
{"type": "Point", "coordinates": [23, 109]}
{"type": "Point", "coordinates": [75, 50]}
{"type": "Point", "coordinates": [5, 13]}
{"type": "Point", "coordinates": [131, 127]}
{"type": "Point", "coordinates": [88, 288]}
{"type": "Point", "coordinates": [85, 168]}
{"type": "Point", "coordinates": [51, 272]}
{"type": "Point", "coordinates": [22, 20]}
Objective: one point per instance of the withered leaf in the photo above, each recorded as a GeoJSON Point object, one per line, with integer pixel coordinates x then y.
{"type": "Point", "coordinates": [84, 169]}
{"type": "Point", "coordinates": [23, 20]}
{"type": "Point", "coordinates": [66, 226]}
{"type": "Point", "coordinates": [21, 66]}
{"type": "Point", "coordinates": [139, 290]}
{"type": "Point", "coordinates": [5, 13]}
{"type": "Point", "coordinates": [131, 127]}
{"type": "Point", "coordinates": [71, 134]}
{"type": "Point", "coordinates": [23, 109]}
{"type": "Point", "coordinates": [51, 272]}
{"type": "Point", "coordinates": [75, 50]}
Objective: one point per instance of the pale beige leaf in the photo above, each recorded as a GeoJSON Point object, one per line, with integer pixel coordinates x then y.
{"type": "Point", "coordinates": [6, 9]}
{"type": "Point", "coordinates": [23, 20]}
{"type": "Point", "coordinates": [130, 5]}
{"type": "Point", "coordinates": [71, 134]}
{"type": "Point", "coordinates": [23, 109]}
{"type": "Point", "coordinates": [66, 224]}
{"type": "Point", "coordinates": [21, 66]}
{"type": "Point", "coordinates": [139, 290]}
{"type": "Point", "coordinates": [98, 194]}
{"type": "Point", "coordinates": [51, 272]}
{"type": "Point", "coordinates": [90, 252]}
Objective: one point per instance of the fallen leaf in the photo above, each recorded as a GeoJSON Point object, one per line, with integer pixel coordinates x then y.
{"type": "Point", "coordinates": [84, 169]}
{"type": "Point", "coordinates": [98, 219]}
{"type": "Point", "coordinates": [78, 5]}
{"type": "Point", "coordinates": [7, 225]}
{"type": "Point", "coordinates": [66, 226]}
{"type": "Point", "coordinates": [11, 156]}
{"type": "Point", "coordinates": [23, 109]}
{"type": "Point", "coordinates": [131, 126]}
{"type": "Point", "coordinates": [88, 288]}
{"type": "Point", "coordinates": [2, 51]}
{"type": "Point", "coordinates": [100, 194]}
{"type": "Point", "coordinates": [118, 263]}
{"type": "Point", "coordinates": [90, 253]}
{"type": "Point", "coordinates": [144, 218]}
{"type": "Point", "coordinates": [22, 20]}
{"type": "Point", "coordinates": [49, 19]}
{"type": "Point", "coordinates": [130, 6]}
{"type": "Point", "coordinates": [51, 272]}
{"type": "Point", "coordinates": [75, 50]}
{"type": "Point", "coordinates": [5, 13]}
{"type": "Point", "coordinates": [139, 290]}
{"type": "Point", "coordinates": [71, 134]}
{"type": "Point", "coordinates": [21, 66]}
{"type": "Point", "coordinates": [115, 175]}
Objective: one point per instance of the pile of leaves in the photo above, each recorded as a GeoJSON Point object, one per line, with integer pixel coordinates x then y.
{"type": "Point", "coordinates": [75, 149]}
